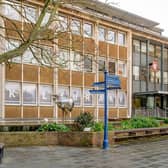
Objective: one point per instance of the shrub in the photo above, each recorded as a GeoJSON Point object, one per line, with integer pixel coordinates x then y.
{"type": "Point", "coordinates": [139, 122]}
{"type": "Point", "coordinates": [54, 127]}
{"type": "Point", "coordinates": [84, 120]}
{"type": "Point", "coordinates": [166, 120]}
{"type": "Point", "coordinates": [98, 126]}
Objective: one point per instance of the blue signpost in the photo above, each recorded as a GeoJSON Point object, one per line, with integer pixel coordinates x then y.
{"type": "Point", "coordinates": [110, 82]}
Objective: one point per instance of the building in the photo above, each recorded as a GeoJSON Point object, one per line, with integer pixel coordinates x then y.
{"type": "Point", "coordinates": [102, 36]}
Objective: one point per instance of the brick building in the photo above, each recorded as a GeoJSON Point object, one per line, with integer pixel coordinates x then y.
{"type": "Point", "coordinates": [101, 36]}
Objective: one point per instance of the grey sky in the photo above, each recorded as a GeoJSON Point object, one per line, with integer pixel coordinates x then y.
{"type": "Point", "coordinates": [155, 10]}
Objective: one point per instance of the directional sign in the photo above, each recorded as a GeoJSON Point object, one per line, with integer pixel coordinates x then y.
{"type": "Point", "coordinates": [113, 80]}
{"type": "Point", "coordinates": [96, 91]}
{"type": "Point", "coordinates": [98, 84]}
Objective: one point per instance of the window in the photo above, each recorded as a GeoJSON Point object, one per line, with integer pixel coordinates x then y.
{"type": "Point", "coordinates": [112, 67]}
{"type": "Point", "coordinates": [28, 57]}
{"type": "Point", "coordinates": [12, 93]}
{"type": "Point", "coordinates": [112, 97]}
{"type": "Point", "coordinates": [30, 14]}
{"type": "Point", "coordinates": [135, 73]}
{"type": "Point", "coordinates": [101, 64]}
{"type": "Point", "coordinates": [45, 94]}
{"type": "Point", "coordinates": [63, 59]}
{"type": "Point", "coordinates": [122, 98]}
{"type": "Point", "coordinates": [101, 35]}
{"type": "Point", "coordinates": [76, 95]}
{"type": "Point", "coordinates": [151, 50]}
{"type": "Point", "coordinates": [63, 91]}
{"type": "Point", "coordinates": [88, 99]}
{"type": "Point", "coordinates": [122, 69]}
{"type": "Point", "coordinates": [47, 55]}
{"type": "Point", "coordinates": [29, 94]}
{"type": "Point", "coordinates": [121, 39]}
{"type": "Point", "coordinates": [88, 63]}
{"type": "Point", "coordinates": [87, 30]}
{"type": "Point", "coordinates": [11, 45]}
{"type": "Point", "coordinates": [143, 48]}
{"type": "Point", "coordinates": [45, 19]}
{"type": "Point", "coordinates": [101, 99]}
{"type": "Point", "coordinates": [62, 24]}
{"type": "Point", "coordinates": [75, 61]}
{"type": "Point", "coordinates": [76, 27]}
{"type": "Point", "coordinates": [165, 77]}
{"type": "Point", "coordinates": [12, 11]}
{"type": "Point", "coordinates": [111, 36]}
{"type": "Point", "coordinates": [136, 46]}
{"type": "Point", "coordinates": [158, 77]}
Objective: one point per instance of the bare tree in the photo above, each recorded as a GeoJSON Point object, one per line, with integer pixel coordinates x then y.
{"type": "Point", "coordinates": [48, 27]}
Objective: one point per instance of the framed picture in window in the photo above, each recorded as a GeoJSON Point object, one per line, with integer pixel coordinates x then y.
{"type": "Point", "coordinates": [12, 93]}
{"type": "Point", "coordinates": [63, 91]}
{"type": "Point", "coordinates": [88, 99]}
{"type": "Point", "coordinates": [122, 98]}
{"type": "Point", "coordinates": [45, 94]}
{"type": "Point", "coordinates": [76, 95]}
{"type": "Point", "coordinates": [29, 93]}
{"type": "Point", "coordinates": [112, 97]}
{"type": "Point", "coordinates": [101, 99]}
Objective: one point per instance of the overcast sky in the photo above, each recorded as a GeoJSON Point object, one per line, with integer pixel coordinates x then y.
{"type": "Point", "coordinates": [156, 10]}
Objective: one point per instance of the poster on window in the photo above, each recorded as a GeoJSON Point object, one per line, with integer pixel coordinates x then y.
{"type": "Point", "coordinates": [29, 93]}
{"type": "Point", "coordinates": [45, 93]}
{"type": "Point", "coordinates": [12, 93]}
{"type": "Point", "coordinates": [112, 98]}
{"type": "Point", "coordinates": [101, 99]}
{"type": "Point", "coordinates": [122, 98]}
{"type": "Point", "coordinates": [76, 96]}
{"type": "Point", "coordinates": [87, 98]}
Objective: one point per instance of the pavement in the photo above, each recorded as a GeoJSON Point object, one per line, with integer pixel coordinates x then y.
{"type": "Point", "coordinates": [141, 155]}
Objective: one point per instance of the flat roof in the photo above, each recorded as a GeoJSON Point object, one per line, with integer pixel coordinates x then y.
{"type": "Point", "coordinates": [114, 12]}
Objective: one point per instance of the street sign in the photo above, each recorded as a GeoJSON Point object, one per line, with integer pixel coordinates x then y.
{"type": "Point", "coordinates": [110, 82]}
{"type": "Point", "coordinates": [96, 91]}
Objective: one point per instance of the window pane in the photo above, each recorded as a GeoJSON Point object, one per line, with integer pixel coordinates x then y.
{"type": "Point", "coordinates": [122, 68]}
{"type": "Point", "coordinates": [88, 63]}
{"type": "Point", "coordinates": [101, 65]}
{"type": "Point", "coordinates": [62, 24]}
{"type": "Point", "coordinates": [12, 93]}
{"type": "Point", "coordinates": [75, 27]}
{"type": "Point", "coordinates": [122, 98]}
{"type": "Point", "coordinates": [112, 98]}
{"type": "Point", "coordinates": [135, 73]}
{"type": "Point", "coordinates": [76, 95]}
{"type": "Point", "coordinates": [30, 14]}
{"type": "Point", "coordinates": [101, 34]}
{"type": "Point", "coordinates": [75, 61]}
{"type": "Point", "coordinates": [11, 45]}
{"type": "Point", "coordinates": [46, 18]}
{"type": "Point", "coordinates": [88, 99]}
{"type": "Point", "coordinates": [11, 11]}
{"type": "Point", "coordinates": [45, 93]}
{"type": "Point", "coordinates": [63, 59]}
{"type": "Point", "coordinates": [29, 93]}
{"type": "Point", "coordinates": [111, 36]}
{"type": "Point", "coordinates": [63, 91]}
{"type": "Point", "coordinates": [165, 77]}
{"type": "Point", "coordinates": [112, 67]}
{"type": "Point", "coordinates": [87, 30]}
{"type": "Point", "coordinates": [28, 56]}
{"type": "Point", "coordinates": [121, 38]}
{"type": "Point", "coordinates": [101, 99]}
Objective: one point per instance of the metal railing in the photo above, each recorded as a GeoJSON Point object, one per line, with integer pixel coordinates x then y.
{"type": "Point", "coordinates": [157, 112]}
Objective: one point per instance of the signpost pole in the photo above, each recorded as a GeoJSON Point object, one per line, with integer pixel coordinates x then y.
{"type": "Point", "coordinates": [105, 141]}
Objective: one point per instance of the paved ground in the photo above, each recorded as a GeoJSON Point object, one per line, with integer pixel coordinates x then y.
{"type": "Point", "coordinates": [143, 155]}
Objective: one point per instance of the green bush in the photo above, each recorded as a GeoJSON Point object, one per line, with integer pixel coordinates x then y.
{"type": "Point", "coordinates": [54, 127]}
{"type": "Point", "coordinates": [84, 120]}
{"type": "Point", "coordinates": [99, 126]}
{"type": "Point", "coordinates": [165, 120]}
{"type": "Point", "coordinates": [139, 122]}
